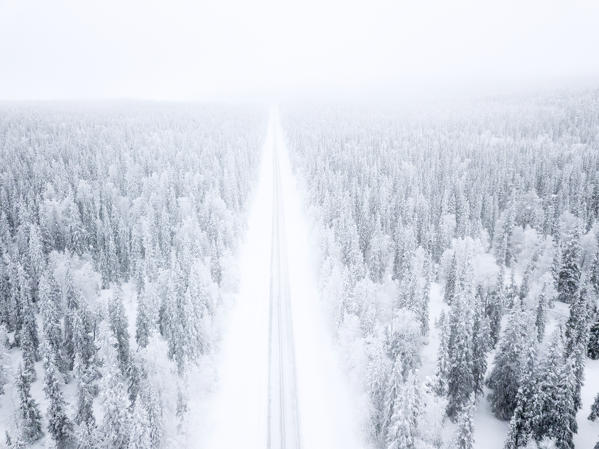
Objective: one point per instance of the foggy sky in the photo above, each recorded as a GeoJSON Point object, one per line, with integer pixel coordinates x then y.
{"type": "Point", "coordinates": [208, 49]}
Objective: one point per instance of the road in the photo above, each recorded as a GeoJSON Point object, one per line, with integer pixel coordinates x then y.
{"type": "Point", "coordinates": [283, 416]}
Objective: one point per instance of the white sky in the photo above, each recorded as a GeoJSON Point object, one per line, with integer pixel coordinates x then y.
{"type": "Point", "coordinates": [225, 48]}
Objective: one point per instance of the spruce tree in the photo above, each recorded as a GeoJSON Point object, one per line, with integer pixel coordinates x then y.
{"type": "Point", "coordinates": [3, 359]}
{"type": "Point", "coordinates": [541, 316]}
{"type": "Point", "coordinates": [460, 379]}
{"type": "Point", "coordinates": [569, 273]}
{"type": "Point", "coordinates": [505, 377]}
{"type": "Point", "coordinates": [120, 330]}
{"type": "Point", "coordinates": [595, 409]}
{"type": "Point", "coordinates": [527, 416]}
{"type": "Point", "coordinates": [593, 345]}
{"type": "Point", "coordinates": [31, 418]}
{"type": "Point", "coordinates": [465, 432]}
{"type": "Point", "coordinates": [577, 334]}
{"type": "Point", "coordinates": [60, 426]}
{"type": "Point", "coordinates": [452, 279]}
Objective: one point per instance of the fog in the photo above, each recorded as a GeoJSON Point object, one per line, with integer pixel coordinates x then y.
{"type": "Point", "coordinates": [209, 49]}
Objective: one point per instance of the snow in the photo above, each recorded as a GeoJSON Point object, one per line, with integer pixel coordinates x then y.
{"type": "Point", "coordinates": [235, 412]}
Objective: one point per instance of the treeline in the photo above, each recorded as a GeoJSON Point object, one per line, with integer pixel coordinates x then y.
{"type": "Point", "coordinates": [497, 201]}
{"type": "Point", "coordinates": [100, 204]}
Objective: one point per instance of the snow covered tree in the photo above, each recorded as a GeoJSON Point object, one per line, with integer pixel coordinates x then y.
{"type": "Point", "coordinates": [31, 418]}
{"type": "Point", "coordinates": [528, 413]}
{"type": "Point", "coordinates": [60, 426]}
{"type": "Point", "coordinates": [120, 329]}
{"type": "Point", "coordinates": [465, 431]}
{"type": "Point", "coordinates": [452, 279]}
{"type": "Point", "coordinates": [116, 426]}
{"type": "Point", "coordinates": [595, 409]}
{"type": "Point", "coordinates": [460, 378]}
{"type": "Point", "coordinates": [569, 273]}
{"type": "Point", "coordinates": [541, 316]}
{"type": "Point", "coordinates": [3, 359]}
{"type": "Point", "coordinates": [577, 334]}
{"type": "Point", "coordinates": [505, 377]}
{"type": "Point", "coordinates": [403, 424]}
{"type": "Point", "coordinates": [593, 345]}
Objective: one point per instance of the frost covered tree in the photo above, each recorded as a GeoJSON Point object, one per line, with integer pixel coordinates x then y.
{"type": "Point", "coordinates": [465, 432]}
{"type": "Point", "coordinates": [505, 376]}
{"type": "Point", "coordinates": [595, 409]}
{"type": "Point", "coordinates": [569, 273]}
{"type": "Point", "coordinates": [120, 329]}
{"type": "Point", "coordinates": [527, 416]}
{"type": "Point", "coordinates": [29, 412]}
{"type": "Point", "coordinates": [460, 377]}
{"type": "Point", "coordinates": [60, 426]}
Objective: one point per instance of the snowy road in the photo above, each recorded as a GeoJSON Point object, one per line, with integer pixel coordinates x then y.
{"type": "Point", "coordinates": [283, 421]}
{"type": "Point", "coordinates": [280, 383]}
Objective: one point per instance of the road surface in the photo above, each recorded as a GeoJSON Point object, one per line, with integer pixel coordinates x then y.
{"type": "Point", "coordinates": [283, 417]}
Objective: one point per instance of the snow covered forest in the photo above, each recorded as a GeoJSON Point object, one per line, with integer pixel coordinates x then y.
{"type": "Point", "coordinates": [459, 265]}
{"type": "Point", "coordinates": [117, 230]}
{"type": "Point", "coordinates": [455, 248]}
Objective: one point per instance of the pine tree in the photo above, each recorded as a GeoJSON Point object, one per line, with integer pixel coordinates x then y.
{"type": "Point", "coordinates": [557, 383]}
{"type": "Point", "coordinates": [140, 437]}
{"type": "Point", "coordinates": [452, 279]}
{"type": "Point", "coordinates": [577, 334]}
{"type": "Point", "coordinates": [442, 357]}
{"type": "Point", "coordinates": [59, 425]}
{"type": "Point", "coordinates": [29, 412]}
{"type": "Point", "coordinates": [86, 437]}
{"type": "Point", "coordinates": [541, 316]}
{"type": "Point", "coordinates": [465, 433]}
{"type": "Point", "coordinates": [595, 409]}
{"type": "Point", "coordinates": [569, 273]}
{"type": "Point", "coordinates": [142, 320]}
{"type": "Point", "coordinates": [49, 296]}
{"type": "Point", "coordinates": [3, 358]}
{"type": "Point", "coordinates": [119, 328]}
{"type": "Point", "coordinates": [460, 380]}
{"type": "Point", "coordinates": [85, 376]}
{"type": "Point", "coordinates": [528, 413]}
{"type": "Point", "coordinates": [481, 344]}
{"type": "Point", "coordinates": [116, 426]}
{"type": "Point", "coordinates": [504, 379]}
{"type": "Point", "coordinates": [402, 428]}
{"type": "Point", "coordinates": [593, 345]}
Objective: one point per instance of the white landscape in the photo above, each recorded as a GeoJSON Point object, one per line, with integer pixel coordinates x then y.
{"type": "Point", "coordinates": [299, 225]}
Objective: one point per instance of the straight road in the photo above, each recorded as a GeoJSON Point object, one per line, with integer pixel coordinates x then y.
{"type": "Point", "coordinates": [283, 416]}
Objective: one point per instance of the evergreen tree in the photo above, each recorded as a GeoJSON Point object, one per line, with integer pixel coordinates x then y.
{"type": "Point", "coordinates": [593, 345]}
{"type": "Point", "coordinates": [142, 320]}
{"type": "Point", "coordinates": [140, 437]}
{"type": "Point", "coordinates": [527, 416]}
{"type": "Point", "coordinates": [504, 379]}
{"type": "Point", "coordinates": [85, 375]}
{"type": "Point", "coordinates": [541, 316]}
{"type": "Point", "coordinates": [481, 343]}
{"type": "Point", "coordinates": [465, 432]}
{"type": "Point", "coordinates": [3, 359]}
{"type": "Point", "coordinates": [577, 334]}
{"type": "Point", "coordinates": [59, 425]}
{"type": "Point", "coordinates": [49, 296]}
{"type": "Point", "coordinates": [402, 429]}
{"type": "Point", "coordinates": [595, 409]}
{"type": "Point", "coordinates": [569, 273]}
{"type": "Point", "coordinates": [29, 412]}
{"type": "Point", "coordinates": [452, 279]}
{"type": "Point", "coordinates": [460, 379]}
{"type": "Point", "coordinates": [116, 426]}
{"type": "Point", "coordinates": [557, 383]}
{"type": "Point", "coordinates": [119, 328]}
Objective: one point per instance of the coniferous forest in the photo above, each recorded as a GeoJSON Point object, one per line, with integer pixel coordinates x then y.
{"type": "Point", "coordinates": [456, 252]}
